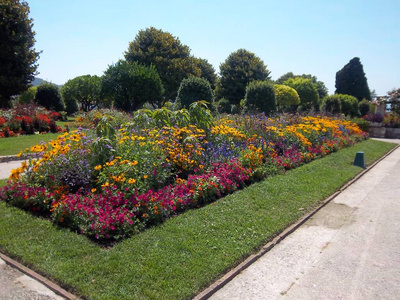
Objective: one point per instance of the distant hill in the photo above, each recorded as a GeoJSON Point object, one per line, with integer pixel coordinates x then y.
{"type": "Point", "coordinates": [38, 81]}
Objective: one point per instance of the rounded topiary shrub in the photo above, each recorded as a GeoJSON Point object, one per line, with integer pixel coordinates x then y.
{"type": "Point", "coordinates": [339, 103]}
{"type": "Point", "coordinates": [286, 97]}
{"type": "Point", "coordinates": [349, 105]}
{"type": "Point", "coordinates": [307, 92]}
{"type": "Point", "coordinates": [224, 106]}
{"type": "Point", "coordinates": [193, 89]}
{"type": "Point", "coordinates": [331, 104]}
{"type": "Point", "coordinates": [260, 97]}
{"type": "Point", "coordinates": [48, 95]}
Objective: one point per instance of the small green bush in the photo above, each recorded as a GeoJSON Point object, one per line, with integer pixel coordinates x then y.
{"type": "Point", "coordinates": [307, 92]}
{"type": "Point", "coordinates": [331, 104]}
{"type": "Point", "coordinates": [48, 95]}
{"type": "Point", "coordinates": [286, 97]}
{"type": "Point", "coordinates": [260, 97]}
{"type": "Point", "coordinates": [362, 123]}
{"type": "Point", "coordinates": [339, 103]}
{"type": "Point", "coordinates": [193, 89]}
{"type": "Point", "coordinates": [363, 107]}
{"type": "Point", "coordinates": [224, 106]}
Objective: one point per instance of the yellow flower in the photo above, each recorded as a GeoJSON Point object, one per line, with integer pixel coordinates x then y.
{"type": "Point", "coordinates": [98, 167]}
{"type": "Point", "coordinates": [145, 176]}
{"type": "Point", "coordinates": [93, 190]}
{"type": "Point", "coordinates": [19, 154]}
{"type": "Point", "coordinates": [131, 181]}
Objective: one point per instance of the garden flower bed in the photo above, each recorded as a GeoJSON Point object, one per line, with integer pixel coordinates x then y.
{"type": "Point", "coordinates": [28, 119]}
{"type": "Point", "coordinates": [113, 182]}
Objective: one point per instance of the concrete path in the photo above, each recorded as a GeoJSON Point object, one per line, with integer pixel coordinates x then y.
{"type": "Point", "coordinates": [18, 286]}
{"type": "Point", "coordinates": [6, 167]}
{"type": "Point", "coordinates": [350, 249]}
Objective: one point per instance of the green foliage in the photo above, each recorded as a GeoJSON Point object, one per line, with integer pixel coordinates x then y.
{"type": "Point", "coordinates": [285, 77]}
{"type": "Point", "coordinates": [237, 71]}
{"type": "Point", "coordinates": [18, 57]}
{"type": "Point", "coordinates": [28, 96]}
{"type": "Point", "coordinates": [363, 107]}
{"type": "Point", "coordinates": [48, 95]}
{"type": "Point", "coordinates": [193, 89]}
{"type": "Point", "coordinates": [207, 71]}
{"type": "Point", "coordinates": [321, 88]}
{"type": "Point", "coordinates": [223, 106]}
{"type": "Point", "coordinates": [362, 123]}
{"type": "Point", "coordinates": [286, 97]}
{"type": "Point", "coordinates": [338, 103]}
{"type": "Point", "coordinates": [130, 85]}
{"type": "Point", "coordinates": [167, 54]}
{"type": "Point", "coordinates": [331, 104]}
{"type": "Point", "coordinates": [260, 97]}
{"type": "Point", "coordinates": [85, 90]}
{"type": "Point", "coordinates": [307, 92]}
{"type": "Point", "coordinates": [351, 80]}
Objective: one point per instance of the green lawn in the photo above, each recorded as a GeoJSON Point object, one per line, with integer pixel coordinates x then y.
{"type": "Point", "coordinates": [185, 254]}
{"type": "Point", "coordinates": [13, 145]}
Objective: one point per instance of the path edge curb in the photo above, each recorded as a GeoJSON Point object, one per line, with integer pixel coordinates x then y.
{"type": "Point", "coordinates": [230, 275]}
{"type": "Point", "coordinates": [43, 280]}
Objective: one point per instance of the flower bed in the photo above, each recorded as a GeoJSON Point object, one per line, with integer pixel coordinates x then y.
{"type": "Point", "coordinates": [28, 119]}
{"type": "Point", "coordinates": [110, 184]}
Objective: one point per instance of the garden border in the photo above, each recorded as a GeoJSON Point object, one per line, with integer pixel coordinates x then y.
{"type": "Point", "coordinates": [8, 158]}
{"type": "Point", "coordinates": [219, 283]}
{"type": "Point", "coordinates": [230, 275]}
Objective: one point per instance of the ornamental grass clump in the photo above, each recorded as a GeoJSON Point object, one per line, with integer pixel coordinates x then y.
{"type": "Point", "coordinates": [112, 182]}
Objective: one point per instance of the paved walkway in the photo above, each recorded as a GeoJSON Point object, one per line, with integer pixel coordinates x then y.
{"type": "Point", "coordinates": [350, 249]}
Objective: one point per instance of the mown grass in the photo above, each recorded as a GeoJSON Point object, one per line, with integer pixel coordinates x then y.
{"type": "Point", "coordinates": [184, 255]}
{"type": "Point", "coordinates": [13, 145]}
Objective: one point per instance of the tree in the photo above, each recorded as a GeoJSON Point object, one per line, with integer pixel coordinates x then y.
{"type": "Point", "coordinates": [285, 77]}
{"type": "Point", "coordinates": [260, 97]}
{"type": "Point", "coordinates": [286, 97]}
{"type": "Point", "coordinates": [167, 54]}
{"type": "Point", "coordinates": [351, 80]}
{"type": "Point", "coordinates": [237, 71]}
{"type": "Point", "coordinates": [321, 88]}
{"type": "Point", "coordinates": [207, 71]}
{"type": "Point", "coordinates": [85, 90]}
{"type": "Point", "coordinates": [48, 95]}
{"type": "Point", "coordinates": [18, 56]}
{"type": "Point", "coordinates": [130, 85]}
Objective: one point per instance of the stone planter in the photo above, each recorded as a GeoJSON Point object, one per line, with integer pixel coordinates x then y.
{"type": "Point", "coordinates": [392, 133]}
{"type": "Point", "coordinates": [384, 132]}
{"type": "Point", "coordinates": [377, 131]}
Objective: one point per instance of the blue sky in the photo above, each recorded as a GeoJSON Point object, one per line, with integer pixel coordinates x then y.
{"type": "Point", "coordinates": [81, 37]}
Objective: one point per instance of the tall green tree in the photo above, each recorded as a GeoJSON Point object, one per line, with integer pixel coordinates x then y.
{"type": "Point", "coordinates": [130, 85]}
{"type": "Point", "coordinates": [351, 80]}
{"type": "Point", "coordinates": [237, 71]}
{"type": "Point", "coordinates": [167, 54]}
{"type": "Point", "coordinates": [18, 57]}
{"type": "Point", "coordinates": [85, 90]}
